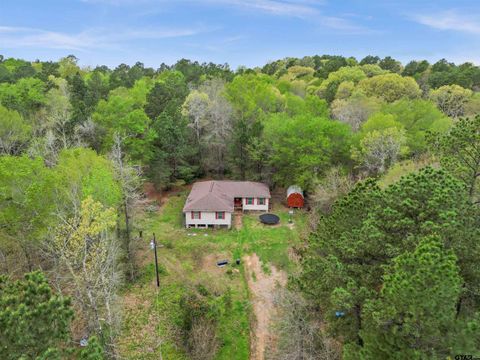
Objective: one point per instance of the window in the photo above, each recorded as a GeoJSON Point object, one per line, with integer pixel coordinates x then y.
{"type": "Point", "coordinates": [196, 215]}
{"type": "Point", "coordinates": [220, 215]}
{"type": "Point", "coordinates": [249, 201]}
{"type": "Point", "coordinates": [261, 201]}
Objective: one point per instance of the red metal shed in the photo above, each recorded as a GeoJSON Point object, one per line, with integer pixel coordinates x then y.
{"type": "Point", "coordinates": [295, 197]}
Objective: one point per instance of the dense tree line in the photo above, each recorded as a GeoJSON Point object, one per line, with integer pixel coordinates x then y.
{"type": "Point", "coordinates": [77, 142]}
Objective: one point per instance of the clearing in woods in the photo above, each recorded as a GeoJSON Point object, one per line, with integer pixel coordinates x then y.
{"type": "Point", "coordinates": [152, 326]}
{"type": "Point", "coordinates": [262, 287]}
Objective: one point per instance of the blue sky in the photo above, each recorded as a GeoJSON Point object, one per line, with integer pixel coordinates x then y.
{"type": "Point", "coordinates": [240, 32]}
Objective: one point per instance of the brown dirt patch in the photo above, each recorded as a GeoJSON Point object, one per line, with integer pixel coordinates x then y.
{"type": "Point", "coordinates": [237, 220]}
{"type": "Point", "coordinates": [209, 263]}
{"type": "Point", "coordinates": [262, 288]}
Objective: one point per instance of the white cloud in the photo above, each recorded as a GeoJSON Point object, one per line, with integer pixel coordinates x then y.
{"type": "Point", "coordinates": [17, 37]}
{"type": "Point", "coordinates": [277, 7]}
{"type": "Point", "coordinates": [450, 20]}
{"type": "Point", "coordinates": [289, 8]}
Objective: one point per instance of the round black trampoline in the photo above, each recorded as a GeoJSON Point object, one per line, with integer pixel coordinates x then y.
{"type": "Point", "coordinates": [269, 219]}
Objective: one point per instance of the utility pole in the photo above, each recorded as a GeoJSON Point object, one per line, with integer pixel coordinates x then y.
{"type": "Point", "coordinates": [153, 245]}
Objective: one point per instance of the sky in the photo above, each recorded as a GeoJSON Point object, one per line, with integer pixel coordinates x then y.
{"type": "Point", "coordinates": [238, 32]}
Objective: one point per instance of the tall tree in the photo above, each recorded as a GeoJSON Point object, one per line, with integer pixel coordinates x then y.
{"type": "Point", "coordinates": [415, 314]}
{"type": "Point", "coordinates": [390, 87]}
{"type": "Point", "coordinates": [14, 132]}
{"type": "Point", "coordinates": [459, 151]}
{"type": "Point", "coordinates": [352, 246]}
{"type": "Point", "coordinates": [309, 144]}
{"type": "Point", "coordinates": [251, 96]}
{"type": "Point", "coordinates": [86, 248]}
{"type": "Point", "coordinates": [128, 178]}
{"type": "Point", "coordinates": [451, 99]}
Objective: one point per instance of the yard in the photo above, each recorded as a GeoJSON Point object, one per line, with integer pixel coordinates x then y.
{"type": "Point", "coordinates": [153, 319]}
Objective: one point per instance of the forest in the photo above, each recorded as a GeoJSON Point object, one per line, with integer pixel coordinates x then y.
{"type": "Point", "coordinates": [388, 155]}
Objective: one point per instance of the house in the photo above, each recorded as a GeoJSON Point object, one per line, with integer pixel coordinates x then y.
{"type": "Point", "coordinates": [212, 203]}
{"type": "Point", "coordinates": [295, 197]}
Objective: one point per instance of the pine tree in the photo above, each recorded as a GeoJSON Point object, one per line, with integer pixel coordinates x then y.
{"type": "Point", "coordinates": [415, 315]}
{"type": "Point", "coordinates": [33, 320]}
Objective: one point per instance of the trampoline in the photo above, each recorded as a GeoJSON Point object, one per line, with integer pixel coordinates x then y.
{"type": "Point", "coordinates": [269, 219]}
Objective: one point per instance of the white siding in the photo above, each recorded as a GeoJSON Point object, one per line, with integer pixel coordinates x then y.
{"type": "Point", "coordinates": [255, 206]}
{"type": "Point", "coordinates": [208, 218]}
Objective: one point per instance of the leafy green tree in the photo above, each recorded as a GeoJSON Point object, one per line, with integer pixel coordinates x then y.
{"type": "Point", "coordinates": [170, 90]}
{"type": "Point", "coordinates": [172, 157]}
{"type": "Point", "coordinates": [390, 87]}
{"type": "Point", "coordinates": [306, 144]}
{"type": "Point", "coordinates": [78, 100]}
{"type": "Point", "coordinates": [451, 99]}
{"type": "Point", "coordinates": [418, 118]}
{"type": "Point", "coordinates": [310, 105]}
{"type": "Point", "coordinates": [328, 88]}
{"type": "Point", "coordinates": [26, 96]}
{"type": "Point", "coordinates": [14, 132]}
{"type": "Point", "coordinates": [67, 66]}
{"type": "Point", "coordinates": [372, 70]}
{"type": "Point", "coordinates": [172, 153]}
{"type": "Point", "coordinates": [27, 202]}
{"type": "Point", "coordinates": [82, 173]}
{"type": "Point", "coordinates": [123, 114]}
{"type": "Point", "coordinates": [370, 59]}
{"type": "Point", "coordinates": [390, 64]}
{"type": "Point", "coordinates": [415, 314]}
{"type": "Point", "coordinates": [414, 68]}
{"type": "Point", "coordinates": [33, 320]}
{"type": "Point", "coordinates": [251, 96]}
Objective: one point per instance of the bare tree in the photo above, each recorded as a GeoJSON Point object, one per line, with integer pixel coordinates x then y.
{"type": "Point", "coordinates": [333, 185]}
{"type": "Point", "coordinates": [210, 117]}
{"type": "Point", "coordinates": [59, 113]}
{"type": "Point", "coordinates": [355, 110]}
{"type": "Point", "coordinates": [129, 179]}
{"type": "Point", "coordinates": [84, 245]}
{"type": "Point", "coordinates": [203, 342]}
{"type": "Point", "coordinates": [299, 336]}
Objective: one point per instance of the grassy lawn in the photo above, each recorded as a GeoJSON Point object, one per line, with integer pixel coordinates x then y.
{"type": "Point", "coordinates": [152, 317]}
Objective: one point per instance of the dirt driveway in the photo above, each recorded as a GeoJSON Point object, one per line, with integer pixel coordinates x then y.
{"type": "Point", "coordinates": [262, 287]}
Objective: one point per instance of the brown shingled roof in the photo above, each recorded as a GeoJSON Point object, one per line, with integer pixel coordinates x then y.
{"type": "Point", "coordinates": [219, 195]}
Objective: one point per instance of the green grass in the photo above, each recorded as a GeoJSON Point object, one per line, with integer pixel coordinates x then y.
{"type": "Point", "coordinates": [152, 317]}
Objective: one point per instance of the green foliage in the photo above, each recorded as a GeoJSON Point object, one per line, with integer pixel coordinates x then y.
{"type": "Point", "coordinates": [25, 96]}
{"type": "Point", "coordinates": [380, 149]}
{"type": "Point", "coordinates": [14, 132]}
{"type": "Point", "coordinates": [33, 321]}
{"type": "Point", "coordinates": [27, 193]}
{"type": "Point", "coordinates": [418, 117]}
{"type": "Point", "coordinates": [252, 97]}
{"type": "Point", "coordinates": [459, 152]}
{"type": "Point", "coordinates": [329, 87]}
{"type": "Point", "coordinates": [390, 87]}
{"type": "Point", "coordinates": [451, 99]}
{"type": "Point", "coordinates": [302, 147]}
{"type": "Point", "coordinates": [83, 172]}
{"type": "Point", "coordinates": [93, 350]}
{"type": "Point", "coordinates": [415, 314]}
{"type": "Point", "coordinates": [353, 246]}
{"type": "Point", "coordinates": [123, 114]}
{"type": "Point", "coordinates": [169, 90]}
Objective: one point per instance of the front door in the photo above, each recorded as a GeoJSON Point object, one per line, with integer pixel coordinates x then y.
{"type": "Point", "coordinates": [238, 203]}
